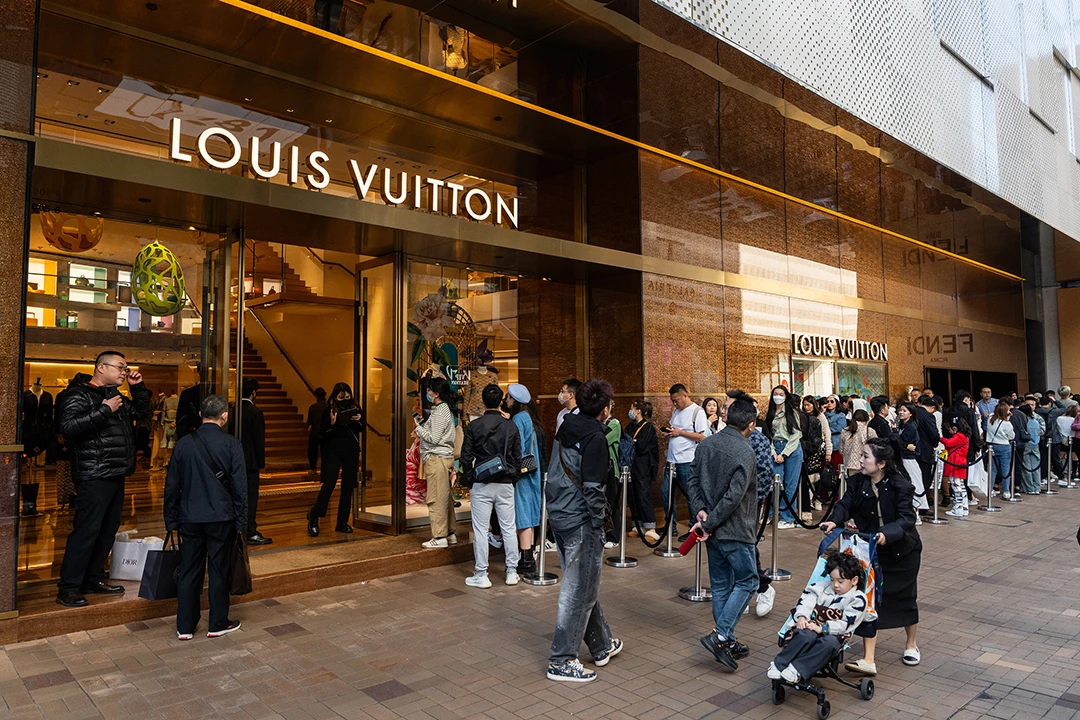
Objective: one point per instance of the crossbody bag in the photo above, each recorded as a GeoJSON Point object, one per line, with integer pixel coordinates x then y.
{"type": "Point", "coordinates": [211, 462]}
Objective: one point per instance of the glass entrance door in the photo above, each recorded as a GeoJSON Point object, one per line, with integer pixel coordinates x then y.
{"type": "Point", "coordinates": [380, 503]}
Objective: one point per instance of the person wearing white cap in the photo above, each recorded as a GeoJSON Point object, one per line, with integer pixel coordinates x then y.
{"type": "Point", "coordinates": [527, 488]}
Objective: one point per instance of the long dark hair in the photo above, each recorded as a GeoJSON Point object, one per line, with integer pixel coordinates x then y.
{"type": "Point", "coordinates": [859, 416]}
{"type": "Point", "coordinates": [956, 424]}
{"type": "Point", "coordinates": [441, 388]}
{"type": "Point", "coordinates": [883, 452]}
{"type": "Point", "coordinates": [911, 410]}
{"type": "Point", "coordinates": [341, 404]}
{"type": "Point", "coordinates": [791, 411]}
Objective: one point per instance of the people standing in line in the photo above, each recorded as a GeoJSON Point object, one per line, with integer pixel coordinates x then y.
{"type": "Point", "coordinates": [880, 501]}
{"type": "Point", "coordinates": [1019, 423]}
{"type": "Point", "coordinates": [613, 434]}
{"type": "Point", "coordinates": [685, 429]}
{"type": "Point", "coordinates": [963, 408]}
{"type": "Point", "coordinates": [814, 454]}
{"type": "Point", "coordinates": [1047, 412]}
{"type": "Point", "coordinates": [568, 400]}
{"type": "Point", "coordinates": [813, 407]}
{"type": "Point", "coordinates": [1029, 462]}
{"type": "Point", "coordinates": [206, 502]}
{"type": "Point", "coordinates": [852, 439]}
{"type": "Point", "coordinates": [929, 439]}
{"type": "Point", "coordinates": [437, 434]}
{"type": "Point", "coordinates": [837, 419]}
{"type": "Point", "coordinates": [783, 427]}
{"type": "Point", "coordinates": [97, 423]}
{"type": "Point", "coordinates": [490, 465]}
{"type": "Point", "coordinates": [253, 441]}
{"type": "Point", "coordinates": [909, 442]}
{"type": "Point", "coordinates": [315, 430]}
{"type": "Point", "coordinates": [643, 468]}
{"type": "Point", "coordinates": [955, 438]}
{"type": "Point", "coordinates": [1064, 430]}
{"type": "Point", "coordinates": [723, 491]}
{"type": "Point", "coordinates": [1000, 435]}
{"type": "Point", "coordinates": [527, 487]}
{"type": "Point", "coordinates": [763, 462]}
{"type": "Point", "coordinates": [711, 406]}
{"type": "Point", "coordinates": [342, 422]}
{"type": "Point", "coordinates": [985, 407]}
{"type": "Point", "coordinates": [577, 474]}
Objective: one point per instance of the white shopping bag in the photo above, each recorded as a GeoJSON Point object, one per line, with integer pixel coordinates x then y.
{"type": "Point", "coordinates": [129, 556]}
{"type": "Point", "coordinates": [977, 477]}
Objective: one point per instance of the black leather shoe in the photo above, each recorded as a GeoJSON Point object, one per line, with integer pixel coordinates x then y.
{"type": "Point", "coordinates": [102, 588]}
{"type": "Point", "coordinates": [312, 524]}
{"type": "Point", "coordinates": [71, 598]}
{"type": "Point", "coordinates": [343, 529]}
{"type": "Point", "coordinates": [720, 651]}
{"type": "Point", "coordinates": [258, 539]}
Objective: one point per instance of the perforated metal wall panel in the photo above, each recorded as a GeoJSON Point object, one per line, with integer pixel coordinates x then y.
{"type": "Point", "coordinates": [981, 86]}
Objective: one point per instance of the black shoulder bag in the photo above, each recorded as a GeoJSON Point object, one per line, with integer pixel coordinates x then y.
{"type": "Point", "coordinates": [211, 462]}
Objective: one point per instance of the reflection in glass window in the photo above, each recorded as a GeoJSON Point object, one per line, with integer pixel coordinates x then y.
{"type": "Point", "coordinates": [862, 379]}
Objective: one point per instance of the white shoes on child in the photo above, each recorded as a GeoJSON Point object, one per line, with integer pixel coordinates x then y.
{"type": "Point", "coordinates": [789, 674]}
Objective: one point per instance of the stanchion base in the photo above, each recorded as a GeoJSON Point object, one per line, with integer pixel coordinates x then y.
{"type": "Point", "coordinates": [696, 594]}
{"type": "Point", "coordinates": [547, 579]}
{"type": "Point", "coordinates": [986, 508]}
{"type": "Point", "coordinates": [1014, 499]}
{"type": "Point", "coordinates": [778, 575]}
{"type": "Point", "coordinates": [664, 553]}
{"type": "Point", "coordinates": [936, 521]}
{"type": "Point", "coordinates": [1050, 491]}
{"type": "Point", "coordinates": [616, 561]}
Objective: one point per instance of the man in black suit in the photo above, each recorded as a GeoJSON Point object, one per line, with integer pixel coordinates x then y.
{"type": "Point", "coordinates": [188, 418]}
{"type": "Point", "coordinates": [929, 437]}
{"type": "Point", "coordinates": [253, 438]}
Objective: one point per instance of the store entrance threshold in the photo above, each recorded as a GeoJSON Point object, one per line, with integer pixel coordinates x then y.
{"type": "Point", "coordinates": [283, 572]}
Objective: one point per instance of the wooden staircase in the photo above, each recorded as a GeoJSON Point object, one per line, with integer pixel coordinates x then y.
{"type": "Point", "coordinates": [286, 426]}
{"type": "Point", "coordinates": [269, 266]}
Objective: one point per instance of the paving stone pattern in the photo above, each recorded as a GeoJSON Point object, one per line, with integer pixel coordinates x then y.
{"type": "Point", "coordinates": [1000, 638]}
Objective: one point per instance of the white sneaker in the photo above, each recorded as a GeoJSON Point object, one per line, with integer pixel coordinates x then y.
{"type": "Point", "coordinates": [782, 525]}
{"type": "Point", "coordinates": [746, 610]}
{"type": "Point", "coordinates": [611, 544]}
{"type": "Point", "coordinates": [772, 673]}
{"type": "Point", "coordinates": [918, 519]}
{"type": "Point", "coordinates": [816, 505]}
{"type": "Point", "coordinates": [765, 602]}
{"type": "Point", "coordinates": [956, 512]}
{"type": "Point", "coordinates": [478, 581]}
{"type": "Point", "coordinates": [790, 674]}
{"type": "Point", "coordinates": [451, 539]}
{"type": "Point", "coordinates": [549, 546]}
{"type": "Point", "coordinates": [494, 540]}
{"type": "Point", "coordinates": [511, 578]}
{"type": "Point", "coordinates": [436, 543]}
{"type": "Point", "coordinates": [1006, 496]}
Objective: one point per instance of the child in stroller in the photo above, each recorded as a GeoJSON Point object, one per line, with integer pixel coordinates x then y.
{"type": "Point", "coordinates": [833, 604]}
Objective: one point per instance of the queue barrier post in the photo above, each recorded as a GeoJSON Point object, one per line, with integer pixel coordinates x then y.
{"type": "Point", "coordinates": [774, 572]}
{"type": "Point", "coordinates": [622, 561]}
{"type": "Point", "coordinates": [989, 506]}
{"type": "Point", "coordinates": [939, 472]}
{"type": "Point", "coordinates": [1049, 467]}
{"type": "Point", "coordinates": [668, 551]}
{"type": "Point", "coordinates": [1014, 479]}
{"type": "Point", "coordinates": [843, 480]}
{"type": "Point", "coordinates": [542, 577]}
{"type": "Point", "coordinates": [1069, 483]}
{"type": "Point", "coordinates": [695, 592]}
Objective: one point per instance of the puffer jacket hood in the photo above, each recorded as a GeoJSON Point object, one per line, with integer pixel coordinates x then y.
{"type": "Point", "coordinates": [101, 442]}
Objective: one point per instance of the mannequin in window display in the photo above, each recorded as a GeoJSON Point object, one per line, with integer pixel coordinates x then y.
{"type": "Point", "coordinates": [44, 424]}
{"type": "Point", "coordinates": [169, 416]}
{"type": "Point", "coordinates": [157, 429]}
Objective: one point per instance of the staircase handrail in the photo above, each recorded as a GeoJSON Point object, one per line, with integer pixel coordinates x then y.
{"type": "Point", "coordinates": [328, 262]}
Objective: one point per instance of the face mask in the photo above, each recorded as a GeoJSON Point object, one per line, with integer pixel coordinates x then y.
{"type": "Point", "coordinates": [632, 416]}
{"type": "Point", "coordinates": [430, 398]}
{"type": "Point", "coordinates": [778, 399]}
{"type": "Point", "coordinates": [563, 397]}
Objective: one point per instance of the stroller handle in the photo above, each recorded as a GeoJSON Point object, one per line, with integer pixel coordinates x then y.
{"type": "Point", "coordinates": [830, 538]}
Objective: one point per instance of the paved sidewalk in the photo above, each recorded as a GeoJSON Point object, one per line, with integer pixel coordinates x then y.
{"type": "Point", "coordinates": [1000, 637]}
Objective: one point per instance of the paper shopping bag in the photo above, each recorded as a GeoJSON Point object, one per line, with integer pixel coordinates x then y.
{"type": "Point", "coordinates": [240, 568]}
{"type": "Point", "coordinates": [129, 556]}
{"type": "Point", "coordinates": [161, 572]}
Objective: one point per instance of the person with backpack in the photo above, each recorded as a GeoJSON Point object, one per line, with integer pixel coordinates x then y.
{"type": "Point", "coordinates": [687, 427]}
{"type": "Point", "coordinates": [490, 465]}
{"type": "Point", "coordinates": [613, 434]}
{"type": "Point", "coordinates": [639, 449]}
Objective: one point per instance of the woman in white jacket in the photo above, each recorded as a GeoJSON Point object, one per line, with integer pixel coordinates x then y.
{"type": "Point", "coordinates": [1000, 435]}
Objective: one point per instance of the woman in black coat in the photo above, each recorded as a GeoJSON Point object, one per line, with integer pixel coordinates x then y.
{"type": "Point", "coordinates": [342, 423]}
{"type": "Point", "coordinates": [879, 502]}
{"type": "Point", "coordinates": [644, 468]}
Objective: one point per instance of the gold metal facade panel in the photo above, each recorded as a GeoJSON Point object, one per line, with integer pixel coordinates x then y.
{"type": "Point", "coordinates": [683, 331]}
{"type": "Point", "coordinates": [757, 338]}
{"type": "Point", "coordinates": [680, 211]}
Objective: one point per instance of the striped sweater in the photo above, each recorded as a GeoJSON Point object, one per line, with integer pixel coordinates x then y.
{"type": "Point", "coordinates": [837, 614]}
{"type": "Point", "coordinates": [437, 433]}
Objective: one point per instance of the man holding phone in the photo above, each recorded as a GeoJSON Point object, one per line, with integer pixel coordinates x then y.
{"type": "Point", "coordinates": [98, 424]}
{"type": "Point", "coordinates": [685, 429]}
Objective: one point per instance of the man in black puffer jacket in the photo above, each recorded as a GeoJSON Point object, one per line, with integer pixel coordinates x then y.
{"type": "Point", "coordinates": [98, 425]}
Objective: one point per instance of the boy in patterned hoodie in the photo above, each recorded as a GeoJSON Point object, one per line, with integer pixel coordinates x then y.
{"type": "Point", "coordinates": [825, 617]}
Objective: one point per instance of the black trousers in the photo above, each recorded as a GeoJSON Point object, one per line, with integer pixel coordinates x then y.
{"type": "Point", "coordinates": [97, 518]}
{"type": "Point", "coordinates": [807, 652]}
{"type": "Point", "coordinates": [928, 479]}
{"type": "Point", "coordinates": [204, 545]}
{"type": "Point", "coordinates": [640, 499]}
{"type": "Point", "coordinates": [253, 500]}
{"type": "Point", "coordinates": [313, 452]}
{"type": "Point", "coordinates": [348, 464]}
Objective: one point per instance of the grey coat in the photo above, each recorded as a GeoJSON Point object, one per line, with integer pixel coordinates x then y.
{"type": "Point", "coordinates": [723, 483]}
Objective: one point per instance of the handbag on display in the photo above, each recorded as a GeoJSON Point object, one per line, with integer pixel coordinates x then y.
{"type": "Point", "coordinates": [239, 567]}
{"type": "Point", "coordinates": [161, 571]}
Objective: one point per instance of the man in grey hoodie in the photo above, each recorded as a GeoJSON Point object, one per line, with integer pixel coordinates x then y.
{"type": "Point", "coordinates": [723, 490]}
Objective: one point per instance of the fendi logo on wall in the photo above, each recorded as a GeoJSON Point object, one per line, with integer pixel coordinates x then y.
{"type": "Point", "coordinates": [266, 163]}
{"type": "Point", "coordinates": [940, 345]}
{"type": "Point", "coordinates": [917, 255]}
{"type": "Point", "coordinates": [843, 348]}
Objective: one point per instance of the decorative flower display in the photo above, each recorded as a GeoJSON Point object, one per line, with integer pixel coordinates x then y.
{"type": "Point", "coordinates": [71, 233]}
{"type": "Point", "coordinates": [432, 316]}
{"type": "Point", "coordinates": [157, 281]}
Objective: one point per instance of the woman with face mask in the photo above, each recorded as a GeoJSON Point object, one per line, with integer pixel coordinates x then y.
{"type": "Point", "coordinates": [342, 423]}
{"type": "Point", "coordinates": [783, 426]}
{"type": "Point", "coordinates": [437, 434]}
{"type": "Point", "coordinates": [644, 465]}
{"type": "Point", "coordinates": [527, 488]}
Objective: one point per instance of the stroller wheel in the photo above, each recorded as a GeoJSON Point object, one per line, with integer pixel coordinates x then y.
{"type": "Point", "coordinates": [778, 692]}
{"type": "Point", "coordinates": [866, 689]}
{"type": "Point", "coordinates": [823, 710]}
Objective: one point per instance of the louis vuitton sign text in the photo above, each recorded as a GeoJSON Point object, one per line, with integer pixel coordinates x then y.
{"type": "Point", "coordinates": [398, 188]}
{"type": "Point", "coordinates": [843, 348]}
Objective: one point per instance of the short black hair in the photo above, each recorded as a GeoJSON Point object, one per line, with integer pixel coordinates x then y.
{"type": "Point", "coordinates": [678, 388]}
{"type": "Point", "coordinates": [849, 566]}
{"type": "Point", "coordinates": [249, 387]}
{"type": "Point", "coordinates": [107, 354]}
{"type": "Point", "coordinates": [492, 395]}
{"type": "Point", "coordinates": [876, 404]}
{"type": "Point", "coordinates": [593, 396]}
{"type": "Point", "coordinates": [737, 394]}
{"type": "Point", "coordinates": [740, 414]}
{"type": "Point", "coordinates": [572, 384]}
{"type": "Point", "coordinates": [320, 392]}
{"type": "Point", "coordinates": [925, 400]}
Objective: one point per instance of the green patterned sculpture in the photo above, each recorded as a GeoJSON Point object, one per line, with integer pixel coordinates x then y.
{"type": "Point", "coordinates": [157, 281]}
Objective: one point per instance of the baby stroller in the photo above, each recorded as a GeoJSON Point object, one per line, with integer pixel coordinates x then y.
{"type": "Point", "coordinates": [863, 547]}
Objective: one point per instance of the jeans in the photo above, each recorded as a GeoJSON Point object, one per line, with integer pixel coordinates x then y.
{"type": "Point", "coordinates": [580, 617]}
{"type": "Point", "coordinates": [484, 497]}
{"type": "Point", "coordinates": [733, 576]}
{"type": "Point", "coordinates": [791, 470]}
{"type": "Point", "coordinates": [1029, 465]}
{"type": "Point", "coordinates": [682, 474]}
{"type": "Point", "coordinates": [1002, 467]}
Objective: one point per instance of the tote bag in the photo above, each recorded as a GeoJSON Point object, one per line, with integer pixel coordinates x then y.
{"type": "Point", "coordinates": [161, 572]}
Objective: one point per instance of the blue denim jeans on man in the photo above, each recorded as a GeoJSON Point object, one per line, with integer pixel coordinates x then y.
{"type": "Point", "coordinates": [682, 474]}
{"type": "Point", "coordinates": [579, 617]}
{"type": "Point", "coordinates": [733, 576]}
{"type": "Point", "coordinates": [790, 470]}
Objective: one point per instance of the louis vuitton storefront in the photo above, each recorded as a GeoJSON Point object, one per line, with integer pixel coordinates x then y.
{"type": "Point", "coordinates": [492, 192]}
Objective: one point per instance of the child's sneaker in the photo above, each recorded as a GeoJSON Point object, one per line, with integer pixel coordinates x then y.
{"type": "Point", "coordinates": [773, 673]}
{"type": "Point", "coordinates": [790, 674]}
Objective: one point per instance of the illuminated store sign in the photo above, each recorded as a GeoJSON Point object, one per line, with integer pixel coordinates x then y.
{"type": "Point", "coordinates": [843, 348]}
{"type": "Point", "coordinates": [266, 162]}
